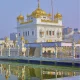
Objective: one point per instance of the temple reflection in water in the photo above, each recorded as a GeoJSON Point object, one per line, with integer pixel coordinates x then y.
{"type": "Point", "coordinates": [35, 72]}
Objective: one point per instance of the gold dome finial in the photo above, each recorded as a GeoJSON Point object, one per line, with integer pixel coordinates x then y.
{"type": "Point", "coordinates": [6, 39]}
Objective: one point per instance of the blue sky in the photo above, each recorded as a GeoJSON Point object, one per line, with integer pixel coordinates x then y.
{"type": "Point", "coordinates": [10, 9]}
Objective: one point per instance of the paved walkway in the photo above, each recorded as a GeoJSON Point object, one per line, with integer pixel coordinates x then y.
{"type": "Point", "coordinates": [67, 78]}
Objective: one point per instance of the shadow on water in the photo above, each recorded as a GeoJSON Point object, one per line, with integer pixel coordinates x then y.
{"type": "Point", "coordinates": [21, 71]}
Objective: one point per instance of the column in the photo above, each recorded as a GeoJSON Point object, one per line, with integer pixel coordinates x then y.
{"type": "Point", "coordinates": [28, 50]}
{"type": "Point", "coordinates": [55, 50]}
{"type": "Point", "coordinates": [9, 51]}
{"type": "Point", "coordinates": [73, 49]}
{"type": "Point", "coordinates": [1, 50]}
{"type": "Point", "coordinates": [41, 50]}
{"type": "Point", "coordinates": [24, 54]}
{"type": "Point", "coordinates": [23, 51]}
{"type": "Point", "coordinates": [18, 50]}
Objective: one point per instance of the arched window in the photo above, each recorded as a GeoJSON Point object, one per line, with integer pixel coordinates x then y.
{"type": "Point", "coordinates": [26, 33]}
{"type": "Point", "coordinates": [58, 34]}
{"type": "Point", "coordinates": [19, 34]}
{"type": "Point", "coordinates": [41, 33]}
{"type": "Point", "coordinates": [23, 33]}
{"type": "Point", "coordinates": [32, 33]}
{"type": "Point", "coordinates": [46, 32]}
{"type": "Point", "coordinates": [50, 33]}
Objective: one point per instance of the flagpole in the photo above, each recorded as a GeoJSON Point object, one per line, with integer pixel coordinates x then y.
{"type": "Point", "coordinates": [38, 3]}
{"type": "Point", "coordinates": [52, 8]}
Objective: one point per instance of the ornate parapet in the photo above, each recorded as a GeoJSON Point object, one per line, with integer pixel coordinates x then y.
{"type": "Point", "coordinates": [27, 22]}
{"type": "Point", "coordinates": [49, 21]}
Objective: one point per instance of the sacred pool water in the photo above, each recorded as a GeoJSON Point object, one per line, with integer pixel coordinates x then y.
{"type": "Point", "coordinates": [21, 71]}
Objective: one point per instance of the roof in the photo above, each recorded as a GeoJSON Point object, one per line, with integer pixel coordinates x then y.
{"type": "Point", "coordinates": [44, 44]}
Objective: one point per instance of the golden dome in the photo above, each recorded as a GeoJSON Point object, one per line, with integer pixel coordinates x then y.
{"type": "Point", "coordinates": [58, 15]}
{"type": "Point", "coordinates": [6, 38]}
{"type": "Point", "coordinates": [38, 12]}
{"type": "Point", "coordinates": [20, 17]}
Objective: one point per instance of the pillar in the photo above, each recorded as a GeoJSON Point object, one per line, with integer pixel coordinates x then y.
{"type": "Point", "coordinates": [1, 50]}
{"type": "Point", "coordinates": [9, 51]}
{"type": "Point", "coordinates": [24, 54]}
{"type": "Point", "coordinates": [73, 49]}
{"type": "Point", "coordinates": [18, 50]}
{"type": "Point", "coordinates": [41, 50]}
{"type": "Point", "coordinates": [55, 50]}
{"type": "Point", "coordinates": [28, 49]}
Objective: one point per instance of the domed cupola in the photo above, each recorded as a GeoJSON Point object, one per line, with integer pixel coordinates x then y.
{"type": "Point", "coordinates": [58, 16]}
{"type": "Point", "coordinates": [20, 17]}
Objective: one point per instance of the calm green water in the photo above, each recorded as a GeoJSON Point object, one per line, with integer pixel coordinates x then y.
{"type": "Point", "coordinates": [19, 71]}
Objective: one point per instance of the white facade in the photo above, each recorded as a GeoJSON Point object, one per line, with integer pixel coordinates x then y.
{"type": "Point", "coordinates": [39, 27]}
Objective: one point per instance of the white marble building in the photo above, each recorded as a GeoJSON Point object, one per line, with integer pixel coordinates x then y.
{"type": "Point", "coordinates": [74, 35]}
{"type": "Point", "coordinates": [39, 27]}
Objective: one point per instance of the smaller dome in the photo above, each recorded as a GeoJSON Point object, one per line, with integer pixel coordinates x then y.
{"type": "Point", "coordinates": [6, 38]}
{"type": "Point", "coordinates": [20, 17]}
{"type": "Point", "coordinates": [58, 15]}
